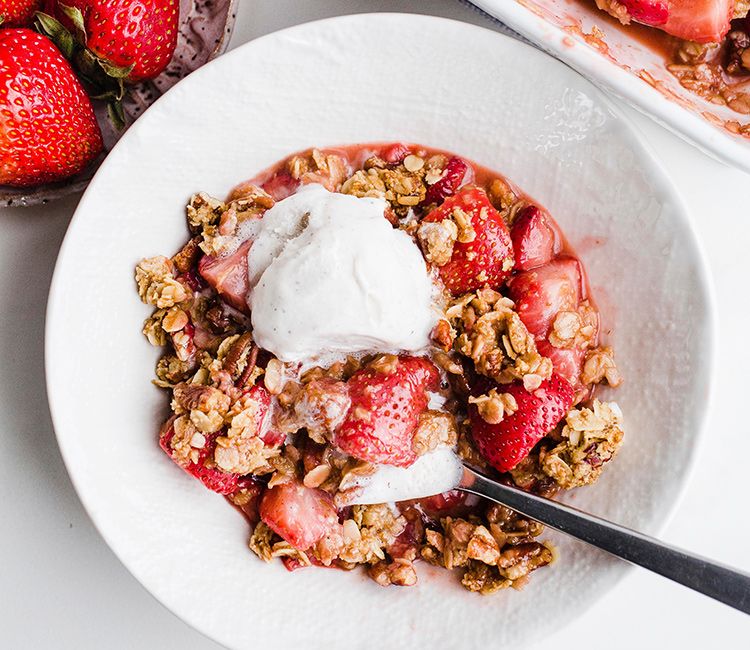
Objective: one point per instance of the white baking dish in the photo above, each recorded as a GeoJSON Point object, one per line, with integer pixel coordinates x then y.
{"type": "Point", "coordinates": [627, 68]}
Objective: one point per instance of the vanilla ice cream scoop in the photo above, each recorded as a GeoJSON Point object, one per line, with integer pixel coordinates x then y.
{"type": "Point", "coordinates": [330, 275]}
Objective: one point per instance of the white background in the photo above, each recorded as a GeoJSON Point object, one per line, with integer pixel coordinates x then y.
{"type": "Point", "coordinates": [61, 587]}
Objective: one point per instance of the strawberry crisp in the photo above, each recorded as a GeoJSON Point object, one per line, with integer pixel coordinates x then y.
{"type": "Point", "coordinates": [364, 309]}
{"type": "Point", "coordinates": [706, 44]}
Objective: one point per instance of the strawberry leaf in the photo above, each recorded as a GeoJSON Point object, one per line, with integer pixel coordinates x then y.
{"type": "Point", "coordinates": [76, 17]}
{"type": "Point", "coordinates": [116, 114]}
{"type": "Point", "coordinates": [116, 71]}
{"type": "Point", "coordinates": [2, 19]}
{"type": "Point", "coordinates": [57, 33]}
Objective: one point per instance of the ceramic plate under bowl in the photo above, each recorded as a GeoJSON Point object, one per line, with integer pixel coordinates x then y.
{"type": "Point", "coordinates": [620, 64]}
{"type": "Point", "coordinates": [362, 79]}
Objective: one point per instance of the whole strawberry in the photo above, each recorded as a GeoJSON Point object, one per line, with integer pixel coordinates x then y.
{"type": "Point", "coordinates": [48, 131]}
{"type": "Point", "coordinates": [125, 33]}
{"type": "Point", "coordinates": [18, 13]}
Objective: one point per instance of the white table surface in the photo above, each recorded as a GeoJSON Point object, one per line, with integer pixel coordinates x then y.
{"type": "Point", "coordinates": [61, 586]}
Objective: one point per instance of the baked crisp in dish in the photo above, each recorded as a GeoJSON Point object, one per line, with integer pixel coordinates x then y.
{"type": "Point", "coordinates": [706, 43]}
{"type": "Point", "coordinates": [372, 307]}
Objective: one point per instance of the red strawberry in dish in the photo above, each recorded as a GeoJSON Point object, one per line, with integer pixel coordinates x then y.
{"type": "Point", "coordinates": [506, 444]}
{"type": "Point", "coordinates": [704, 21]}
{"type": "Point", "coordinates": [453, 178]}
{"type": "Point", "coordinates": [301, 515]}
{"type": "Point", "coordinates": [385, 407]}
{"type": "Point", "coordinates": [212, 477]}
{"type": "Point", "coordinates": [648, 12]}
{"type": "Point", "coordinates": [567, 362]}
{"type": "Point", "coordinates": [281, 185]}
{"type": "Point", "coordinates": [535, 240]}
{"type": "Point", "coordinates": [394, 153]}
{"type": "Point", "coordinates": [541, 293]}
{"type": "Point", "coordinates": [228, 275]}
{"type": "Point", "coordinates": [453, 503]}
{"type": "Point", "coordinates": [487, 259]}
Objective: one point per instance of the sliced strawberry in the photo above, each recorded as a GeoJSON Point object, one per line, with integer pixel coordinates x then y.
{"type": "Point", "coordinates": [541, 293]}
{"type": "Point", "coordinates": [301, 515]}
{"type": "Point", "coordinates": [535, 239]}
{"type": "Point", "coordinates": [648, 12]}
{"type": "Point", "coordinates": [212, 477]}
{"type": "Point", "coordinates": [567, 362]}
{"type": "Point", "coordinates": [228, 275]}
{"type": "Point", "coordinates": [385, 408]}
{"type": "Point", "coordinates": [281, 185]}
{"type": "Point", "coordinates": [488, 258]}
{"type": "Point", "coordinates": [394, 153]}
{"type": "Point", "coordinates": [453, 178]}
{"type": "Point", "coordinates": [506, 444]}
{"type": "Point", "coordinates": [704, 21]}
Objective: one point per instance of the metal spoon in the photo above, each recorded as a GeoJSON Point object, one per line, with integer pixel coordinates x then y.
{"type": "Point", "coordinates": [444, 472]}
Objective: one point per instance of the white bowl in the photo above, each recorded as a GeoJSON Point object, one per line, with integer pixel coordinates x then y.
{"type": "Point", "coordinates": [369, 78]}
{"type": "Point", "coordinates": [627, 68]}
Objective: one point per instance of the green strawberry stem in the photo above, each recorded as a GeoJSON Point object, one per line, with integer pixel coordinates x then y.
{"type": "Point", "coordinates": [101, 79]}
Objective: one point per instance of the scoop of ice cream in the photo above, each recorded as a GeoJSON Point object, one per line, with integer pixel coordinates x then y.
{"type": "Point", "coordinates": [433, 473]}
{"type": "Point", "coordinates": [330, 275]}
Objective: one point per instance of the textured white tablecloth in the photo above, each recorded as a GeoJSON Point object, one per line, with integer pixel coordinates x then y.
{"type": "Point", "coordinates": [61, 587]}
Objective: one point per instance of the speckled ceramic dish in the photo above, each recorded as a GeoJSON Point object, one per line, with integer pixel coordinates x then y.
{"type": "Point", "coordinates": [363, 78]}
{"type": "Point", "coordinates": [205, 28]}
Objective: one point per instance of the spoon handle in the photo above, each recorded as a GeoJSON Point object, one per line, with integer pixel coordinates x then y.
{"type": "Point", "coordinates": [720, 582]}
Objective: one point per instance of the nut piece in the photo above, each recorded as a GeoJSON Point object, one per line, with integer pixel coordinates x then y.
{"type": "Point", "coordinates": [590, 438]}
{"type": "Point", "coordinates": [157, 285]}
{"type": "Point", "coordinates": [600, 366]}
{"type": "Point", "coordinates": [434, 428]}
{"type": "Point", "coordinates": [437, 239]}
{"type": "Point", "coordinates": [494, 406]}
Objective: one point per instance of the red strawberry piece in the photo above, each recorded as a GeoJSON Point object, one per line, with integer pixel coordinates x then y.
{"type": "Point", "coordinates": [535, 240]}
{"type": "Point", "coordinates": [453, 178]}
{"type": "Point", "coordinates": [301, 515]}
{"type": "Point", "coordinates": [48, 131]}
{"type": "Point", "coordinates": [407, 543]}
{"type": "Point", "coordinates": [247, 498]}
{"type": "Point", "coordinates": [541, 293]}
{"type": "Point", "coordinates": [192, 279]}
{"type": "Point", "coordinates": [259, 394]}
{"type": "Point", "coordinates": [486, 260]}
{"type": "Point", "coordinates": [385, 408]}
{"type": "Point", "coordinates": [281, 185]}
{"type": "Point", "coordinates": [141, 33]}
{"type": "Point", "coordinates": [648, 12]}
{"type": "Point", "coordinates": [394, 153]}
{"type": "Point", "coordinates": [18, 13]}
{"type": "Point", "coordinates": [506, 444]}
{"type": "Point", "coordinates": [453, 503]}
{"type": "Point", "coordinates": [704, 21]}
{"type": "Point", "coordinates": [212, 477]}
{"type": "Point", "coordinates": [567, 362]}
{"type": "Point", "coordinates": [228, 275]}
